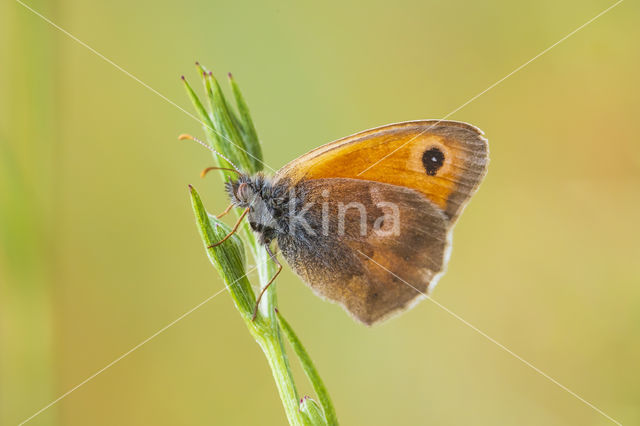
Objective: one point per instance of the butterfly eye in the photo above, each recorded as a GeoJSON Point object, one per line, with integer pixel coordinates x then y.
{"type": "Point", "coordinates": [432, 159]}
{"type": "Point", "coordinates": [243, 192]}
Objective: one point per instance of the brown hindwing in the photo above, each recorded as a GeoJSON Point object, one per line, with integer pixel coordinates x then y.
{"type": "Point", "coordinates": [375, 274]}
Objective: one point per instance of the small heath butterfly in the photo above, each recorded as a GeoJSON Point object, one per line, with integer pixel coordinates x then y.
{"type": "Point", "coordinates": [360, 217]}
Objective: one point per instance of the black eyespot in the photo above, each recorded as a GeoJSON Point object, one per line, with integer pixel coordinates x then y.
{"type": "Point", "coordinates": [432, 159]}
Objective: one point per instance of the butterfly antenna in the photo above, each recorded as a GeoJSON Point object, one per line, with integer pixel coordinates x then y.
{"type": "Point", "coordinates": [208, 169]}
{"type": "Point", "coordinates": [185, 136]}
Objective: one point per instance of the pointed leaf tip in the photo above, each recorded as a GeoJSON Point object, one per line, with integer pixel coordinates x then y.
{"type": "Point", "coordinates": [228, 258]}
{"type": "Point", "coordinates": [312, 412]}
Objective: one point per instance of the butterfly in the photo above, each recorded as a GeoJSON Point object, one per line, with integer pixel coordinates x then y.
{"type": "Point", "coordinates": [366, 221]}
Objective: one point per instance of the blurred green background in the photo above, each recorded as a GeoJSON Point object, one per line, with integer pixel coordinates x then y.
{"type": "Point", "coordinates": [98, 247]}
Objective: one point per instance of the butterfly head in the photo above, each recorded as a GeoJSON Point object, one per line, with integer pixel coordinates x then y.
{"type": "Point", "coordinates": [243, 191]}
{"type": "Point", "coordinates": [257, 194]}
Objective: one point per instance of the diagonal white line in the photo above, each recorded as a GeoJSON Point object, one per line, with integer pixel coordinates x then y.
{"type": "Point", "coordinates": [82, 43]}
{"type": "Point", "coordinates": [495, 84]}
{"type": "Point", "coordinates": [222, 290]}
{"type": "Point", "coordinates": [500, 345]}
{"type": "Point", "coordinates": [136, 347]}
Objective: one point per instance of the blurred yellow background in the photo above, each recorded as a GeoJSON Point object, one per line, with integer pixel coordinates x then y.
{"type": "Point", "coordinates": [99, 249]}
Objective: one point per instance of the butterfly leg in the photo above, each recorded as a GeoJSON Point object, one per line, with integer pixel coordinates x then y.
{"type": "Point", "coordinates": [279, 265]}
{"type": "Point", "coordinates": [235, 228]}
{"type": "Point", "coordinates": [227, 210]}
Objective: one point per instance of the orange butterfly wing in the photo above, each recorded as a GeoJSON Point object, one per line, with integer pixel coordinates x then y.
{"type": "Point", "coordinates": [443, 160]}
